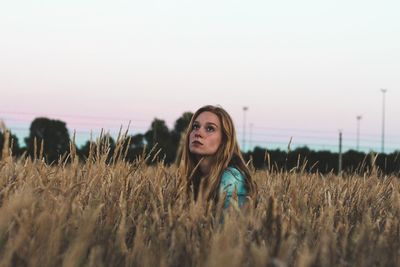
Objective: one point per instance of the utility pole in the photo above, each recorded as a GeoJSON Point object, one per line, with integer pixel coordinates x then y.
{"type": "Point", "coordinates": [340, 154]}
{"type": "Point", "coordinates": [244, 128]}
{"type": "Point", "coordinates": [383, 90]}
{"type": "Point", "coordinates": [251, 137]}
{"type": "Point", "coordinates": [359, 117]}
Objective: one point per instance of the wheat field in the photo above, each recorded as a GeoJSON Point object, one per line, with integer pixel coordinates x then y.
{"type": "Point", "coordinates": [114, 213]}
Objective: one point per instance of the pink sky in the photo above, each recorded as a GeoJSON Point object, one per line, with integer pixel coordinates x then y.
{"type": "Point", "coordinates": [301, 67]}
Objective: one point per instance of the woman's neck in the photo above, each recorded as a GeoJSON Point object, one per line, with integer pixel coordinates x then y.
{"type": "Point", "coordinates": [205, 165]}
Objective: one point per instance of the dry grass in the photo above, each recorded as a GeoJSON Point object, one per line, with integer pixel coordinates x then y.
{"type": "Point", "coordinates": [130, 214]}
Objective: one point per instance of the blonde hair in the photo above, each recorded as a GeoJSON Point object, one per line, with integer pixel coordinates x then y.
{"type": "Point", "coordinates": [228, 154]}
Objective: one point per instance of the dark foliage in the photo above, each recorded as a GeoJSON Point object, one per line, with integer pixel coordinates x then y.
{"type": "Point", "coordinates": [163, 145]}
{"type": "Point", "coordinates": [13, 144]}
{"type": "Point", "coordinates": [53, 134]}
{"type": "Point", "coordinates": [304, 159]}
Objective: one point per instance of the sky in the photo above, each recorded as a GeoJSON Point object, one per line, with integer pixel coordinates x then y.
{"type": "Point", "coordinates": [305, 69]}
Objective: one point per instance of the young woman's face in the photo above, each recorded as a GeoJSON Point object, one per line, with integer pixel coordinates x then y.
{"type": "Point", "coordinates": [206, 134]}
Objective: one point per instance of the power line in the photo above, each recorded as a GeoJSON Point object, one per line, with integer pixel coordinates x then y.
{"type": "Point", "coordinates": [260, 137]}
{"type": "Point", "coordinates": [98, 124]}
{"type": "Point", "coordinates": [291, 130]}
{"type": "Point", "coordinates": [319, 137]}
{"type": "Point", "coordinates": [118, 120]}
{"type": "Point", "coordinates": [71, 116]}
{"type": "Point", "coordinates": [142, 127]}
{"type": "Point", "coordinates": [268, 136]}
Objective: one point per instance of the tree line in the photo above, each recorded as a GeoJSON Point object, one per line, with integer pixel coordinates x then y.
{"type": "Point", "coordinates": [51, 140]}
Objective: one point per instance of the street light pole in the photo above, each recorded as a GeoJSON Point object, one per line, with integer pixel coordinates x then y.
{"type": "Point", "coordinates": [251, 137]}
{"type": "Point", "coordinates": [244, 128]}
{"type": "Point", "coordinates": [359, 117]}
{"type": "Point", "coordinates": [340, 154]}
{"type": "Point", "coordinates": [383, 90]}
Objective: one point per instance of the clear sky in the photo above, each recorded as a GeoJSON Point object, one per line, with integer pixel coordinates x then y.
{"type": "Point", "coordinates": [305, 68]}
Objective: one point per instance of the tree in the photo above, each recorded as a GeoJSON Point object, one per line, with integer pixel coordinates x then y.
{"type": "Point", "coordinates": [182, 122]}
{"type": "Point", "coordinates": [180, 126]}
{"type": "Point", "coordinates": [258, 156]}
{"type": "Point", "coordinates": [53, 134]}
{"type": "Point", "coordinates": [177, 134]}
{"type": "Point", "coordinates": [137, 141]}
{"type": "Point", "coordinates": [102, 145]}
{"type": "Point", "coordinates": [159, 134]}
{"type": "Point", "coordinates": [12, 143]}
{"type": "Point", "coordinates": [136, 146]}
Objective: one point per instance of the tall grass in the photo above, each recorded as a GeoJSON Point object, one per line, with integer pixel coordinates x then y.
{"type": "Point", "coordinates": [115, 213]}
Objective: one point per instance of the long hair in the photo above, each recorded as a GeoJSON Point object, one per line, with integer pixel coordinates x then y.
{"type": "Point", "coordinates": [228, 154]}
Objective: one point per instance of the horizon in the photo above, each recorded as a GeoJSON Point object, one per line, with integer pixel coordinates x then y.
{"type": "Point", "coordinates": [270, 139]}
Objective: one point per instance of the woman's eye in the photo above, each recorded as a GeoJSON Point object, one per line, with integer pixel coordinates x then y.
{"type": "Point", "coordinates": [210, 129]}
{"type": "Point", "coordinates": [195, 127]}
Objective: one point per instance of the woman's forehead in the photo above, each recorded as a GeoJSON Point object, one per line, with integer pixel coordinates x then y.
{"type": "Point", "coordinates": [208, 117]}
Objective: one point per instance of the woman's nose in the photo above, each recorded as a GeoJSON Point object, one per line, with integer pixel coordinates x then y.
{"type": "Point", "coordinates": [198, 133]}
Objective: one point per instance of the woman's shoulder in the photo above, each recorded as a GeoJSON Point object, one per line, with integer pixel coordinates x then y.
{"type": "Point", "coordinates": [233, 177]}
{"type": "Point", "coordinates": [233, 172]}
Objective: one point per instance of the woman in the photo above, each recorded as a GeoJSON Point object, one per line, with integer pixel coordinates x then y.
{"type": "Point", "coordinates": [212, 164]}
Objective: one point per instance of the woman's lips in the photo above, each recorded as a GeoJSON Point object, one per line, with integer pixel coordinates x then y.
{"type": "Point", "coordinates": [197, 143]}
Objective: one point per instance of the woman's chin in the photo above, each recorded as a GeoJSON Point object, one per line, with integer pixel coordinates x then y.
{"type": "Point", "coordinates": [198, 153]}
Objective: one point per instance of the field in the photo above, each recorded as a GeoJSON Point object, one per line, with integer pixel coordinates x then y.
{"type": "Point", "coordinates": [115, 213]}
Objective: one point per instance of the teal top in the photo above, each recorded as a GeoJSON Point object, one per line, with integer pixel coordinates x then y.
{"type": "Point", "coordinates": [231, 178]}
